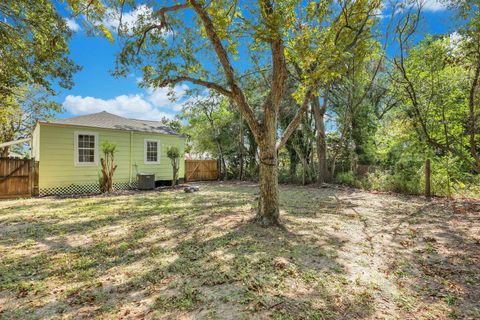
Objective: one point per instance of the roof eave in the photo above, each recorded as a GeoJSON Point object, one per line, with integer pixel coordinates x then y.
{"type": "Point", "coordinates": [102, 128]}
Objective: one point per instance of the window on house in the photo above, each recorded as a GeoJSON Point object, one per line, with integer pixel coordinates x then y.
{"type": "Point", "coordinates": [86, 148]}
{"type": "Point", "coordinates": [151, 151]}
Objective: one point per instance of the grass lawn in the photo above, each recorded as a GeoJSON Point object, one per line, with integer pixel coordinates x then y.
{"type": "Point", "coordinates": [345, 254]}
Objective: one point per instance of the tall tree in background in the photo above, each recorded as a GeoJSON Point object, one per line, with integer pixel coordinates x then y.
{"type": "Point", "coordinates": [33, 58]}
{"type": "Point", "coordinates": [319, 111]}
{"type": "Point", "coordinates": [468, 11]}
{"type": "Point", "coordinates": [21, 110]}
{"type": "Point", "coordinates": [211, 122]}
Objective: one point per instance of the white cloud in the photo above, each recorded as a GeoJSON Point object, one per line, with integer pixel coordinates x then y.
{"type": "Point", "coordinates": [72, 24]}
{"type": "Point", "coordinates": [455, 40]}
{"type": "Point", "coordinates": [401, 5]}
{"type": "Point", "coordinates": [378, 13]}
{"type": "Point", "coordinates": [129, 18]}
{"type": "Point", "coordinates": [141, 15]}
{"type": "Point", "coordinates": [163, 96]}
{"type": "Point", "coordinates": [434, 5]}
{"type": "Point", "coordinates": [153, 105]}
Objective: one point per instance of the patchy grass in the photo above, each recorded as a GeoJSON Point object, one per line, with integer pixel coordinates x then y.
{"type": "Point", "coordinates": [346, 254]}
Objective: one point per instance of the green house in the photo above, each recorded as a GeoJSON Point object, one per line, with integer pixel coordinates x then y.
{"type": "Point", "coordinates": [69, 152]}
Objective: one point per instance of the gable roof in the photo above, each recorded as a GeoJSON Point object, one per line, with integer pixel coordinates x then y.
{"type": "Point", "coordinates": [111, 121]}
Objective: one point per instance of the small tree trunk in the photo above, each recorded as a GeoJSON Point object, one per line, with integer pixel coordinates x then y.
{"type": "Point", "coordinates": [332, 171]}
{"type": "Point", "coordinates": [321, 143]}
{"type": "Point", "coordinates": [175, 170]}
{"type": "Point", "coordinates": [108, 169]}
{"type": "Point", "coordinates": [224, 168]}
{"type": "Point", "coordinates": [293, 159]}
{"type": "Point", "coordinates": [5, 152]}
{"type": "Point", "coordinates": [428, 174]}
{"type": "Point", "coordinates": [241, 173]}
{"type": "Point", "coordinates": [110, 174]}
{"type": "Point", "coordinates": [303, 159]}
{"type": "Point", "coordinates": [473, 117]}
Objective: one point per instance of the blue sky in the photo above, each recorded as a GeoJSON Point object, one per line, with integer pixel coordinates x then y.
{"type": "Point", "coordinates": [96, 89]}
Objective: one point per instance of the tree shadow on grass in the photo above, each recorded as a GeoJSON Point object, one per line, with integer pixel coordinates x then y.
{"type": "Point", "coordinates": [438, 257]}
{"type": "Point", "coordinates": [194, 260]}
{"type": "Point", "coordinates": [263, 271]}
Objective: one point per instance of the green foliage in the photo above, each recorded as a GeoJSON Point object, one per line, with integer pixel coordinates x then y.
{"type": "Point", "coordinates": [212, 127]}
{"type": "Point", "coordinates": [346, 178]}
{"type": "Point", "coordinates": [390, 114]}
{"type": "Point", "coordinates": [34, 41]}
{"type": "Point", "coordinates": [22, 109]}
{"type": "Point", "coordinates": [108, 148]}
{"type": "Point", "coordinates": [173, 152]}
{"type": "Point", "coordinates": [108, 166]}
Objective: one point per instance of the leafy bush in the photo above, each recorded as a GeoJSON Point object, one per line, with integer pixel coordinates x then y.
{"type": "Point", "coordinates": [173, 153]}
{"type": "Point", "coordinates": [346, 178]}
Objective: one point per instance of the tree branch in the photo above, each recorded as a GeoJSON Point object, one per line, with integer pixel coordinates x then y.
{"type": "Point", "coordinates": [210, 85]}
{"type": "Point", "coordinates": [163, 21]}
{"type": "Point", "coordinates": [161, 12]}
{"type": "Point", "coordinates": [296, 120]}
{"type": "Point", "coordinates": [237, 93]}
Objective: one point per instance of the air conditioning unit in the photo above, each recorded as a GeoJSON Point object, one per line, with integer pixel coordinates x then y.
{"type": "Point", "coordinates": [146, 181]}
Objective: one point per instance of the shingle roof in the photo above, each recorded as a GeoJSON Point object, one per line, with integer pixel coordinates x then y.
{"type": "Point", "coordinates": [111, 121]}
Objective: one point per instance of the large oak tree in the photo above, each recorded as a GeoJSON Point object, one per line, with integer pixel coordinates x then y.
{"type": "Point", "coordinates": [213, 43]}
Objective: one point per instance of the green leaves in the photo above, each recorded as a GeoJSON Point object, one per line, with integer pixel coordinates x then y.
{"type": "Point", "coordinates": [173, 152]}
{"type": "Point", "coordinates": [34, 42]}
{"type": "Point", "coordinates": [108, 148]}
{"type": "Point", "coordinates": [211, 124]}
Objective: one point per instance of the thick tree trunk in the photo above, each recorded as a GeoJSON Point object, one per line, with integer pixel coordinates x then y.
{"type": "Point", "coordinates": [319, 113]}
{"type": "Point", "coordinates": [268, 207]}
{"type": "Point", "coordinates": [108, 169]}
{"type": "Point", "coordinates": [264, 133]}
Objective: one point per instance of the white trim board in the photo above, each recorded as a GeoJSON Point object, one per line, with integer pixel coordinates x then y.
{"type": "Point", "coordinates": [75, 149]}
{"type": "Point", "coordinates": [145, 151]}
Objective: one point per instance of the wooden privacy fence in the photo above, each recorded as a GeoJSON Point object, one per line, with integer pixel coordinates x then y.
{"type": "Point", "coordinates": [198, 170]}
{"type": "Point", "coordinates": [18, 178]}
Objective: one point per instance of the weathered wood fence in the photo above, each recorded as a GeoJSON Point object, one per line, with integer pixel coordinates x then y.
{"type": "Point", "coordinates": [18, 178]}
{"type": "Point", "coordinates": [198, 170]}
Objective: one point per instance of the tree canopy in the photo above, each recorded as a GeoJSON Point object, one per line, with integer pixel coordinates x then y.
{"type": "Point", "coordinates": [33, 46]}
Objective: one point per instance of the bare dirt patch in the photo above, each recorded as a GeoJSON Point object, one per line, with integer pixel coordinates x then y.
{"type": "Point", "coordinates": [345, 254]}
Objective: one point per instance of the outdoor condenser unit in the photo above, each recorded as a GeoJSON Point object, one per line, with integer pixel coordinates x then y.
{"type": "Point", "coordinates": [146, 181]}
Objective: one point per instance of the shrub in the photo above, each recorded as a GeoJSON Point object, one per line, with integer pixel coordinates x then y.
{"type": "Point", "coordinates": [346, 178]}
{"type": "Point", "coordinates": [108, 166]}
{"type": "Point", "coordinates": [174, 155]}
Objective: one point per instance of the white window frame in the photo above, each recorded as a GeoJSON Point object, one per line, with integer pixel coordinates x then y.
{"type": "Point", "coordinates": [95, 151]}
{"type": "Point", "coordinates": [145, 151]}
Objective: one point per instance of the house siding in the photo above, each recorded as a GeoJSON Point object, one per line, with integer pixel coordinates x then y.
{"type": "Point", "coordinates": [36, 143]}
{"type": "Point", "coordinates": [59, 174]}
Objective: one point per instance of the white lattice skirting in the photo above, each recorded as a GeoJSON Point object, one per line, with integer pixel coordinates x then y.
{"type": "Point", "coordinates": [93, 188]}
